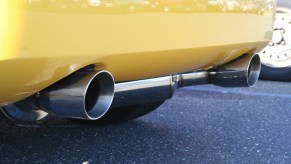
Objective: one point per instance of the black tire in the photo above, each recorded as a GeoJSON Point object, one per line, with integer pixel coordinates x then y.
{"type": "Point", "coordinates": [122, 114]}
{"type": "Point", "coordinates": [280, 74]}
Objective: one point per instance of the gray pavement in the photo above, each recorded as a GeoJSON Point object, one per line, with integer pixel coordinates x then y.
{"type": "Point", "coordinates": [203, 124]}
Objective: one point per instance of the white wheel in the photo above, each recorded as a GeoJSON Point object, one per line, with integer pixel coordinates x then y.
{"type": "Point", "coordinates": [276, 56]}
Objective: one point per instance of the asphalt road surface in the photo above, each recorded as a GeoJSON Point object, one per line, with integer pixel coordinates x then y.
{"type": "Point", "coordinates": [203, 124]}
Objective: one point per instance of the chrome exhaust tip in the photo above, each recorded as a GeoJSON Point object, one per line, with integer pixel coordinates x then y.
{"type": "Point", "coordinates": [80, 95]}
{"type": "Point", "coordinates": [99, 95]}
{"type": "Point", "coordinates": [241, 72]}
{"type": "Point", "coordinates": [254, 70]}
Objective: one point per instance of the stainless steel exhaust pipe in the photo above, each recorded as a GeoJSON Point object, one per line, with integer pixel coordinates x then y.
{"type": "Point", "coordinates": [242, 72]}
{"type": "Point", "coordinates": [80, 95]}
{"type": "Point", "coordinates": [143, 91]}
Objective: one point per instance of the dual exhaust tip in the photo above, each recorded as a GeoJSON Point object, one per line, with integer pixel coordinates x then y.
{"type": "Point", "coordinates": [88, 94]}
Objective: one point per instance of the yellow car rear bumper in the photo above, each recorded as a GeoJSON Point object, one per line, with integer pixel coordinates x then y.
{"type": "Point", "coordinates": [40, 45]}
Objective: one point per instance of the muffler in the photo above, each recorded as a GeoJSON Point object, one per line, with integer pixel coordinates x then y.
{"type": "Point", "coordinates": [242, 72]}
{"type": "Point", "coordinates": [143, 91]}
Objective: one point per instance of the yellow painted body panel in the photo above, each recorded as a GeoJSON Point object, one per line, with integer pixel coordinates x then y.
{"type": "Point", "coordinates": [42, 41]}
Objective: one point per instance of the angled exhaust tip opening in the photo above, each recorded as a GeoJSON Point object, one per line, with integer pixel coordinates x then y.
{"type": "Point", "coordinates": [241, 72]}
{"type": "Point", "coordinates": [80, 95]}
{"type": "Point", "coordinates": [99, 95]}
{"type": "Point", "coordinates": [254, 70]}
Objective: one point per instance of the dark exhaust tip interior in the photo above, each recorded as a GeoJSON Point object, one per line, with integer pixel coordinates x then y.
{"type": "Point", "coordinates": [92, 95]}
{"type": "Point", "coordinates": [254, 70]}
{"type": "Point", "coordinates": [99, 95]}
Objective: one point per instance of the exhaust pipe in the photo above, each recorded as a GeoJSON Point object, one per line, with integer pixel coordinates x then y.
{"type": "Point", "coordinates": [242, 72]}
{"type": "Point", "coordinates": [88, 95]}
{"type": "Point", "coordinates": [80, 95]}
{"type": "Point", "coordinates": [143, 91]}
